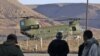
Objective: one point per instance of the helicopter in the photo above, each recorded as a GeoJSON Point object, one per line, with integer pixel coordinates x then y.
{"type": "Point", "coordinates": [30, 27]}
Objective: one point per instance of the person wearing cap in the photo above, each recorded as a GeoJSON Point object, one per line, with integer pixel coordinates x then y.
{"type": "Point", "coordinates": [58, 47]}
{"type": "Point", "coordinates": [9, 47]}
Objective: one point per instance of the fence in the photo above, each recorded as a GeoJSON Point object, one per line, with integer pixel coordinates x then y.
{"type": "Point", "coordinates": [37, 46]}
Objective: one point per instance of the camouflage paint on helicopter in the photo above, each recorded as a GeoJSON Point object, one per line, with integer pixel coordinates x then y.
{"type": "Point", "coordinates": [31, 28]}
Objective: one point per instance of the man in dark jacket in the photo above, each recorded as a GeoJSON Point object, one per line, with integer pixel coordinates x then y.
{"type": "Point", "coordinates": [9, 47]}
{"type": "Point", "coordinates": [58, 47]}
{"type": "Point", "coordinates": [81, 47]}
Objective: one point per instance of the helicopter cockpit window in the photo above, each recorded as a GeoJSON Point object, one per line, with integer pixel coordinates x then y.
{"type": "Point", "coordinates": [34, 26]}
{"type": "Point", "coordinates": [73, 28]}
{"type": "Point", "coordinates": [22, 23]}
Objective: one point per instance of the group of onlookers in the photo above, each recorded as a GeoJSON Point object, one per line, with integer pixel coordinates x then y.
{"type": "Point", "coordinates": [90, 46]}
{"type": "Point", "coordinates": [57, 47]}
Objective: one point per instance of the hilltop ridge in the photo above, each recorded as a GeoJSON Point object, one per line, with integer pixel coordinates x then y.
{"type": "Point", "coordinates": [10, 13]}
{"type": "Point", "coordinates": [70, 10]}
{"type": "Point", "coordinates": [12, 10]}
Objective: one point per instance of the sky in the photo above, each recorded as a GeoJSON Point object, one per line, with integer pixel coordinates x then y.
{"type": "Point", "coordinates": [56, 1]}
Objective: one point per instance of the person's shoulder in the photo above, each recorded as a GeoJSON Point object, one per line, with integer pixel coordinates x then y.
{"type": "Point", "coordinates": [82, 44]}
{"type": "Point", "coordinates": [17, 46]}
{"type": "Point", "coordinates": [94, 45]}
{"type": "Point", "coordinates": [64, 41]}
{"type": "Point", "coordinates": [55, 40]}
{"type": "Point", "coordinates": [1, 45]}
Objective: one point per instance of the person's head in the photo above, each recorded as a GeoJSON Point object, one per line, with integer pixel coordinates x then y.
{"type": "Point", "coordinates": [12, 38]}
{"type": "Point", "coordinates": [87, 35]}
{"type": "Point", "coordinates": [59, 35]}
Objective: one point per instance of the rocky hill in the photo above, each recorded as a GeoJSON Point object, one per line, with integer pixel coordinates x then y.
{"type": "Point", "coordinates": [70, 10]}
{"type": "Point", "coordinates": [12, 10]}
{"type": "Point", "coordinates": [10, 13]}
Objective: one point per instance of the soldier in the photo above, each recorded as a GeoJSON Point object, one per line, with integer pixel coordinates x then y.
{"type": "Point", "coordinates": [58, 47]}
{"type": "Point", "coordinates": [9, 47]}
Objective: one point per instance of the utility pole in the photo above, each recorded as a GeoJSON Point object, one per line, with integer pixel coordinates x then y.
{"type": "Point", "coordinates": [87, 13]}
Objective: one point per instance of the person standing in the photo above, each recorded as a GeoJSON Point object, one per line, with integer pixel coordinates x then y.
{"type": "Point", "coordinates": [58, 47]}
{"type": "Point", "coordinates": [90, 45]}
{"type": "Point", "coordinates": [9, 47]}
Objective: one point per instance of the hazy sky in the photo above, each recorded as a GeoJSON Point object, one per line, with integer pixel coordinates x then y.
{"type": "Point", "coordinates": [56, 1]}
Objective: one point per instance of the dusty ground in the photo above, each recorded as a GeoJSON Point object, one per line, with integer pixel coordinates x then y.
{"type": "Point", "coordinates": [46, 54]}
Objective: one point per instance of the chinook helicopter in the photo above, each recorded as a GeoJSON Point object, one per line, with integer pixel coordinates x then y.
{"type": "Point", "coordinates": [30, 27]}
